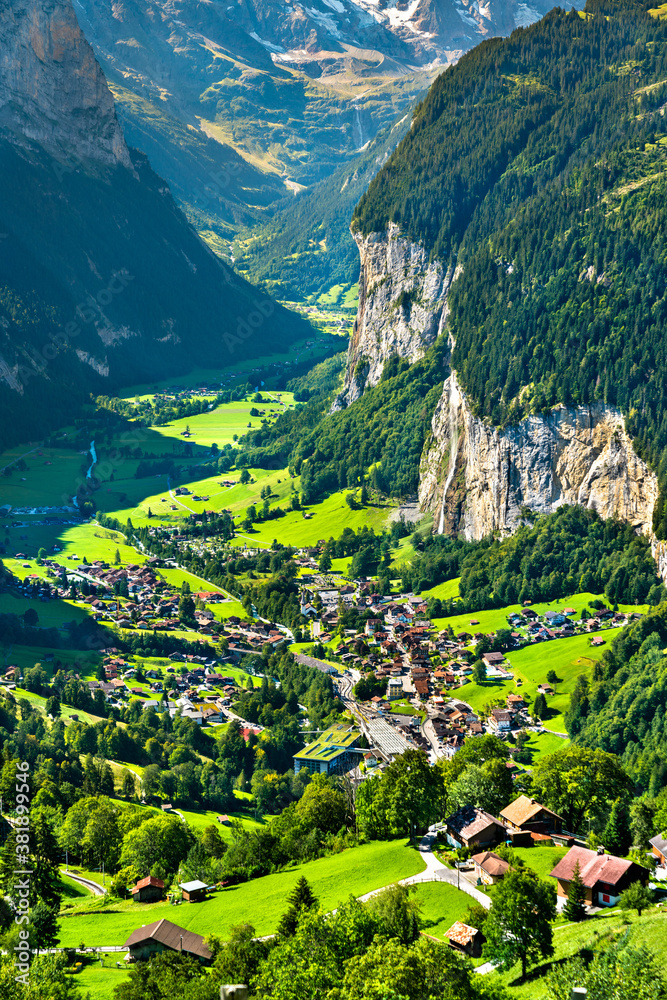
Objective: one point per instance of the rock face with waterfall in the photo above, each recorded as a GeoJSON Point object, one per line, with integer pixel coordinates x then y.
{"type": "Point", "coordinates": [402, 308]}
{"type": "Point", "coordinates": [477, 478]}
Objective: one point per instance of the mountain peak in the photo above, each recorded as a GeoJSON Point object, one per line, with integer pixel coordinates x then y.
{"type": "Point", "coordinates": [52, 89]}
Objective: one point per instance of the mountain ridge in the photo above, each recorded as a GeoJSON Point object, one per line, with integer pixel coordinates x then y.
{"type": "Point", "coordinates": [102, 279]}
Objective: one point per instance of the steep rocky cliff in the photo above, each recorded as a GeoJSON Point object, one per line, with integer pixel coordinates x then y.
{"type": "Point", "coordinates": [402, 300]}
{"type": "Point", "coordinates": [476, 478]}
{"type": "Point", "coordinates": [52, 89]}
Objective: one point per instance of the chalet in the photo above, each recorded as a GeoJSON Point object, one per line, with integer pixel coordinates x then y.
{"type": "Point", "coordinates": [515, 702]}
{"type": "Point", "coordinates": [659, 849]}
{"type": "Point", "coordinates": [165, 936]}
{"type": "Point", "coordinates": [147, 890]}
{"type": "Point", "coordinates": [530, 815]}
{"type": "Point", "coordinates": [501, 720]}
{"type": "Point", "coordinates": [489, 868]}
{"type": "Point", "coordinates": [493, 659]}
{"type": "Point", "coordinates": [545, 689]}
{"type": "Point", "coordinates": [193, 892]}
{"type": "Point", "coordinates": [471, 827]}
{"type": "Point", "coordinates": [465, 939]}
{"type": "Point", "coordinates": [604, 876]}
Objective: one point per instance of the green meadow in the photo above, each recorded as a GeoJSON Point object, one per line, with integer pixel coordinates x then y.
{"type": "Point", "coordinates": [594, 934]}
{"type": "Point", "coordinates": [530, 665]}
{"type": "Point", "coordinates": [327, 519]}
{"type": "Point", "coordinates": [441, 905]}
{"type": "Point", "coordinates": [495, 618]}
{"type": "Point", "coordinates": [356, 871]}
{"type": "Point", "coordinates": [50, 478]}
{"type": "Point", "coordinates": [98, 979]}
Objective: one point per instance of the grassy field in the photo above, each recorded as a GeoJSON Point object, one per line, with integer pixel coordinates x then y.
{"type": "Point", "coordinates": [83, 662]}
{"type": "Point", "coordinates": [99, 979]}
{"type": "Point", "coordinates": [52, 614]}
{"type": "Point", "coordinates": [543, 743]}
{"type": "Point", "coordinates": [232, 374]}
{"type": "Point", "coordinates": [356, 871]}
{"type": "Point", "coordinates": [594, 934]}
{"type": "Point", "coordinates": [72, 891]}
{"type": "Point", "coordinates": [568, 657]}
{"type": "Point", "coordinates": [444, 591]}
{"type": "Point", "coordinates": [490, 621]}
{"type": "Point", "coordinates": [328, 518]}
{"type": "Point", "coordinates": [38, 702]}
{"type": "Point", "coordinates": [49, 479]}
{"type": "Point", "coordinates": [441, 904]}
{"type": "Point", "coordinates": [199, 819]}
{"type": "Point", "coordinates": [542, 860]}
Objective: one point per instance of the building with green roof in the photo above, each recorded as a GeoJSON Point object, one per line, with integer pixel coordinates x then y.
{"type": "Point", "coordinates": [333, 752]}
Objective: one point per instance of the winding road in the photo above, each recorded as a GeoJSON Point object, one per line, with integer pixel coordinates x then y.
{"type": "Point", "coordinates": [435, 871]}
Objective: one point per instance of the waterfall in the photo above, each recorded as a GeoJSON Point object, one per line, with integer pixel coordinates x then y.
{"type": "Point", "coordinates": [93, 455]}
{"type": "Point", "coordinates": [453, 445]}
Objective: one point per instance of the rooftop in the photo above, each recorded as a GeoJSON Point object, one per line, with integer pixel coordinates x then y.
{"type": "Point", "coordinates": [330, 743]}
{"type": "Point", "coordinates": [593, 867]}
{"type": "Point", "coordinates": [491, 863]}
{"type": "Point", "coordinates": [461, 934]}
{"type": "Point", "coordinates": [468, 821]}
{"type": "Point", "coordinates": [171, 936]}
{"type": "Point", "coordinates": [523, 809]}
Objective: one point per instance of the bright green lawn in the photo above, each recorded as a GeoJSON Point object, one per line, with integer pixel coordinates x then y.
{"type": "Point", "coordinates": [497, 617]}
{"type": "Point", "coordinates": [568, 657]}
{"type": "Point", "coordinates": [542, 860]}
{"type": "Point", "coordinates": [99, 982]}
{"type": "Point", "coordinates": [73, 891]}
{"type": "Point", "coordinates": [442, 904]}
{"type": "Point", "coordinates": [444, 591]}
{"type": "Point", "coordinates": [261, 901]}
{"type": "Point", "coordinates": [38, 702]}
{"type": "Point", "coordinates": [199, 819]}
{"type": "Point", "coordinates": [329, 518]}
{"type": "Point", "coordinates": [595, 933]}
{"type": "Point", "coordinates": [543, 743]}
{"type": "Point", "coordinates": [219, 425]}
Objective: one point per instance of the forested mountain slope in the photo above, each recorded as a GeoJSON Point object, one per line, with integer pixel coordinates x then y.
{"type": "Point", "coordinates": [306, 247]}
{"type": "Point", "coordinates": [102, 279]}
{"type": "Point", "coordinates": [537, 166]}
{"type": "Point", "coordinates": [623, 708]}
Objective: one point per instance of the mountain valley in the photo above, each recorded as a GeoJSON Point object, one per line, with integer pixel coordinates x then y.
{"type": "Point", "coordinates": [333, 500]}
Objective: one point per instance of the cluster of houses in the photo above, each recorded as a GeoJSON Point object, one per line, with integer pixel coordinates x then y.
{"type": "Point", "coordinates": [523, 822]}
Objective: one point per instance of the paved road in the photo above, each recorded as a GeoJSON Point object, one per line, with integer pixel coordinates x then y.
{"type": "Point", "coordinates": [87, 883]}
{"type": "Point", "coordinates": [435, 871]}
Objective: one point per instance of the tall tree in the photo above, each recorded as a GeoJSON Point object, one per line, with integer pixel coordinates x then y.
{"type": "Point", "coordinates": [578, 782]}
{"type": "Point", "coordinates": [518, 928]}
{"type": "Point", "coordinates": [575, 908]}
{"type": "Point", "coordinates": [300, 899]}
{"type": "Point", "coordinates": [617, 836]}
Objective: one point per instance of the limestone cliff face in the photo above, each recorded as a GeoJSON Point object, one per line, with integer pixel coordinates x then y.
{"type": "Point", "coordinates": [52, 90]}
{"type": "Point", "coordinates": [402, 299]}
{"type": "Point", "coordinates": [476, 478]}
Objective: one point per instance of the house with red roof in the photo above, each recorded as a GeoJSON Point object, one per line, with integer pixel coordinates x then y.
{"type": "Point", "coordinates": [147, 890]}
{"type": "Point", "coordinates": [604, 876]}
